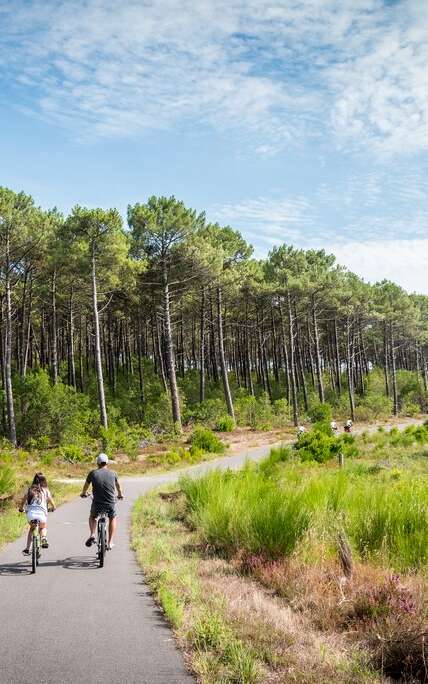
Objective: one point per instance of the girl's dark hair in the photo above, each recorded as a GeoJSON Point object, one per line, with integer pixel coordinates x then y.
{"type": "Point", "coordinates": [39, 479]}
{"type": "Point", "coordinates": [35, 490]}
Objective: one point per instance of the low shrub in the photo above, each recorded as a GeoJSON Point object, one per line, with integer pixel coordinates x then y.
{"type": "Point", "coordinates": [321, 413]}
{"type": "Point", "coordinates": [225, 424]}
{"type": "Point", "coordinates": [72, 453]}
{"type": "Point", "coordinates": [373, 406]}
{"type": "Point", "coordinates": [54, 412]}
{"type": "Point", "coordinates": [120, 437]}
{"type": "Point", "coordinates": [206, 440]}
{"type": "Point", "coordinates": [208, 412]}
{"type": "Point", "coordinates": [277, 455]}
{"type": "Point", "coordinates": [281, 410]}
{"type": "Point", "coordinates": [318, 445]}
{"type": "Point", "coordinates": [256, 412]}
{"type": "Point", "coordinates": [7, 480]}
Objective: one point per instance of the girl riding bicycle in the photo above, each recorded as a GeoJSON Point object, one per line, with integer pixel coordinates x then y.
{"type": "Point", "coordinates": [35, 503]}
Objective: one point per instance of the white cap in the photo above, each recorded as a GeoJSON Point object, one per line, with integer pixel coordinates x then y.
{"type": "Point", "coordinates": [102, 458]}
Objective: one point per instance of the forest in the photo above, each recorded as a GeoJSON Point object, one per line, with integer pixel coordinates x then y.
{"type": "Point", "coordinates": [168, 320]}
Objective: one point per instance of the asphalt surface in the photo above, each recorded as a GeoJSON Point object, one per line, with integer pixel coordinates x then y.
{"type": "Point", "coordinates": [73, 621]}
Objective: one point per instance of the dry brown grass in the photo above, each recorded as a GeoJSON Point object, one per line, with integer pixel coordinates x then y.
{"type": "Point", "coordinates": [374, 611]}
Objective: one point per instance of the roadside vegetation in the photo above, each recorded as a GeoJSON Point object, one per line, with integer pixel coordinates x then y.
{"type": "Point", "coordinates": [142, 340]}
{"type": "Point", "coordinates": [328, 564]}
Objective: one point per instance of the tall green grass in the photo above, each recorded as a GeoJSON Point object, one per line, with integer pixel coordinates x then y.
{"type": "Point", "coordinates": [385, 518]}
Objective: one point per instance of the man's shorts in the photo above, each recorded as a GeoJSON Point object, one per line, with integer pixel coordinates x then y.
{"type": "Point", "coordinates": [97, 509]}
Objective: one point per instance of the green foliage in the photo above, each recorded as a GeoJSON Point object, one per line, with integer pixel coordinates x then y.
{"type": "Point", "coordinates": [317, 445]}
{"type": "Point", "coordinates": [120, 437]}
{"type": "Point", "coordinates": [257, 412]}
{"type": "Point", "coordinates": [281, 411]}
{"type": "Point", "coordinates": [53, 413]}
{"type": "Point", "coordinates": [7, 480]}
{"type": "Point", "coordinates": [206, 440]}
{"type": "Point", "coordinates": [208, 412]}
{"type": "Point", "coordinates": [277, 455]}
{"type": "Point", "coordinates": [246, 511]}
{"type": "Point", "coordinates": [376, 404]}
{"type": "Point", "coordinates": [171, 604]}
{"type": "Point", "coordinates": [72, 453]}
{"type": "Point", "coordinates": [321, 413]}
{"type": "Point", "coordinates": [268, 510]}
{"type": "Point", "coordinates": [225, 424]}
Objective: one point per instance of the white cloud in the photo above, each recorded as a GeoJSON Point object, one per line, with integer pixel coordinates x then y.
{"type": "Point", "coordinates": [266, 221]}
{"type": "Point", "coordinates": [402, 261]}
{"type": "Point", "coordinates": [271, 73]}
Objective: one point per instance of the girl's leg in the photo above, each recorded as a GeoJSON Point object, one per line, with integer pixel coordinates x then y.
{"type": "Point", "coordinates": [43, 535]}
{"type": "Point", "coordinates": [29, 537]}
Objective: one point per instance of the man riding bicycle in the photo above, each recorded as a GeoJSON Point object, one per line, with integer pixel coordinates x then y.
{"type": "Point", "coordinates": [104, 487]}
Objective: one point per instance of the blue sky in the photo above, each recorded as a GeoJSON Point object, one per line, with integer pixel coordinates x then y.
{"type": "Point", "coordinates": [302, 121]}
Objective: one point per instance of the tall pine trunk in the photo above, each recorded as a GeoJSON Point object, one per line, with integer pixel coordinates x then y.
{"type": "Point", "coordinates": [175, 402]}
{"type": "Point", "coordinates": [71, 364]}
{"type": "Point", "coordinates": [393, 370]}
{"type": "Point", "coordinates": [8, 352]}
{"type": "Point", "coordinates": [54, 336]}
{"type": "Point", "coordinates": [202, 349]}
{"type": "Point", "coordinates": [223, 368]}
{"type": "Point", "coordinates": [98, 362]}
{"type": "Point", "coordinates": [292, 362]}
{"type": "Point", "coordinates": [349, 368]}
{"type": "Point", "coordinates": [317, 352]}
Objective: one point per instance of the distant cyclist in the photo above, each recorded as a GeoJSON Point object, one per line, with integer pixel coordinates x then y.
{"type": "Point", "coordinates": [300, 431]}
{"type": "Point", "coordinates": [348, 426]}
{"type": "Point", "coordinates": [104, 487]}
{"type": "Point", "coordinates": [333, 427]}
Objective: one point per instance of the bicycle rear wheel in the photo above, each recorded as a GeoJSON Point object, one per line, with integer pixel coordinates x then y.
{"type": "Point", "coordinates": [102, 541]}
{"type": "Point", "coordinates": [34, 555]}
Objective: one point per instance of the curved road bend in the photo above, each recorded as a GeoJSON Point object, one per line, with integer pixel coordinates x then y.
{"type": "Point", "coordinates": [74, 622]}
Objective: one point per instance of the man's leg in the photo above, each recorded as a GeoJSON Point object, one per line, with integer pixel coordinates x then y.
{"type": "Point", "coordinates": [92, 525]}
{"type": "Point", "coordinates": [112, 524]}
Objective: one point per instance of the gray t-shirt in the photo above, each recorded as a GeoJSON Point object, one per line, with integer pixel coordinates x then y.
{"type": "Point", "coordinates": [103, 483]}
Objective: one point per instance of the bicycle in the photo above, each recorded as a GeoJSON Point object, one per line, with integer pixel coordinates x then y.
{"type": "Point", "coordinates": [101, 535]}
{"type": "Point", "coordinates": [36, 545]}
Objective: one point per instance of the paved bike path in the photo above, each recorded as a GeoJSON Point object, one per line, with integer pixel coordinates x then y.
{"type": "Point", "coordinates": [74, 621]}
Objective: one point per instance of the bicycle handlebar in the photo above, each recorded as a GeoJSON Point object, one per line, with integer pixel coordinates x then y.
{"type": "Point", "coordinates": [89, 496]}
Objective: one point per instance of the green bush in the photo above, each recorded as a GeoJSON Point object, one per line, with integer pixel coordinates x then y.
{"type": "Point", "coordinates": [209, 412]}
{"type": "Point", "coordinates": [7, 480]}
{"type": "Point", "coordinates": [225, 424]}
{"type": "Point", "coordinates": [56, 413]}
{"type": "Point", "coordinates": [321, 413]}
{"type": "Point", "coordinates": [317, 445]}
{"type": "Point", "coordinates": [205, 439]}
{"type": "Point", "coordinates": [72, 453]}
{"type": "Point", "coordinates": [410, 409]}
{"type": "Point", "coordinates": [263, 413]}
{"type": "Point", "coordinates": [120, 437]}
{"type": "Point", "coordinates": [376, 404]}
{"type": "Point", "coordinates": [281, 410]}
